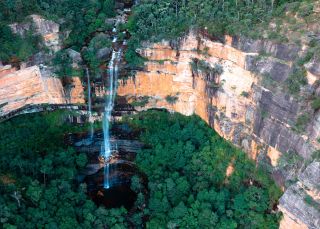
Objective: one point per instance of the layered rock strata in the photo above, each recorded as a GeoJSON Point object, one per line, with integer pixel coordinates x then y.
{"type": "Point", "coordinates": [301, 201]}
{"type": "Point", "coordinates": [242, 109]}
{"type": "Point", "coordinates": [248, 103]}
{"type": "Point", "coordinates": [28, 86]}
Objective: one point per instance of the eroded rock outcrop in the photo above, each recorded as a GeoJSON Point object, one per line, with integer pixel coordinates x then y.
{"type": "Point", "coordinates": [47, 29]}
{"type": "Point", "coordinates": [247, 104]}
{"type": "Point", "coordinates": [29, 86]}
{"type": "Point", "coordinates": [301, 201]}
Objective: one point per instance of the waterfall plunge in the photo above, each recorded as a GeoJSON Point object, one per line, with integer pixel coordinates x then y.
{"type": "Point", "coordinates": [89, 104]}
{"type": "Point", "coordinates": [106, 150]}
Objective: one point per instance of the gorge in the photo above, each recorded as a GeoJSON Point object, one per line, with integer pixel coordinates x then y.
{"type": "Point", "coordinates": [260, 94]}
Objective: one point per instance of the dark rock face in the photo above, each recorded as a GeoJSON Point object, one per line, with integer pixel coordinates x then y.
{"type": "Point", "coordinates": [286, 52]}
{"type": "Point", "coordinates": [280, 106]}
{"type": "Point", "coordinates": [269, 67]}
{"type": "Point", "coordinates": [301, 199]}
{"type": "Point", "coordinates": [275, 113]}
{"type": "Point", "coordinates": [314, 66]}
{"type": "Point", "coordinates": [75, 56]}
{"type": "Point", "coordinates": [104, 53]}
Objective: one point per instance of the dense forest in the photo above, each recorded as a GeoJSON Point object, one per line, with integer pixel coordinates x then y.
{"type": "Point", "coordinates": [150, 21]}
{"type": "Point", "coordinates": [186, 164]}
{"type": "Point", "coordinates": [37, 172]}
{"type": "Point", "coordinates": [195, 178]}
{"type": "Point", "coordinates": [81, 18]}
{"type": "Point", "coordinates": [172, 19]}
{"type": "Point", "coordinates": [184, 159]}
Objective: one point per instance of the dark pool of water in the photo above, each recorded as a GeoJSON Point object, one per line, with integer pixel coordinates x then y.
{"type": "Point", "coordinates": [119, 194]}
{"type": "Point", "coordinates": [115, 197]}
{"type": "Point", "coordinates": [121, 168]}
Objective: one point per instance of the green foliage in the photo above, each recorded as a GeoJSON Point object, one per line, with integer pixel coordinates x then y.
{"type": "Point", "coordinates": [171, 99]}
{"type": "Point", "coordinates": [108, 8]}
{"type": "Point", "coordinates": [218, 17]}
{"type": "Point", "coordinates": [15, 10]}
{"type": "Point", "coordinates": [301, 123]}
{"type": "Point", "coordinates": [245, 94]}
{"type": "Point", "coordinates": [186, 163]}
{"type": "Point", "coordinates": [296, 79]}
{"type": "Point", "coordinates": [315, 104]}
{"type": "Point", "coordinates": [63, 64]}
{"type": "Point", "coordinates": [90, 54]}
{"type": "Point", "coordinates": [133, 59]}
{"type": "Point", "coordinates": [316, 154]}
{"type": "Point", "coordinates": [37, 173]}
{"type": "Point", "coordinates": [205, 68]}
{"type": "Point", "coordinates": [81, 18]}
{"type": "Point", "coordinates": [140, 101]}
{"type": "Point", "coordinates": [310, 201]}
{"type": "Point", "coordinates": [289, 159]}
{"type": "Point", "coordinates": [16, 48]}
{"type": "Point", "coordinates": [268, 82]}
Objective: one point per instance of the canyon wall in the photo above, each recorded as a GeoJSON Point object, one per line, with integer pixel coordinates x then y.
{"type": "Point", "coordinates": [37, 84]}
{"type": "Point", "coordinates": [247, 104]}
{"type": "Point", "coordinates": [29, 86]}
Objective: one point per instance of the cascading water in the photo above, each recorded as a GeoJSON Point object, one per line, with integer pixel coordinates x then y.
{"type": "Point", "coordinates": [89, 104]}
{"type": "Point", "coordinates": [113, 77]}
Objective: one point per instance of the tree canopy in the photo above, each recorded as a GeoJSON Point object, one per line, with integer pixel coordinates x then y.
{"type": "Point", "coordinates": [186, 163]}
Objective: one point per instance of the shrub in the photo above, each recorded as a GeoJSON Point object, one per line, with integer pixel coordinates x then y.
{"type": "Point", "coordinates": [245, 94]}
{"type": "Point", "coordinates": [296, 79]}
{"type": "Point", "coordinates": [141, 101]}
{"type": "Point", "coordinates": [301, 123]}
{"type": "Point", "coordinates": [171, 99]}
{"type": "Point", "coordinates": [315, 104]}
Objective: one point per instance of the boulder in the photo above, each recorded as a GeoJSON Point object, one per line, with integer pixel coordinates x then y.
{"type": "Point", "coordinates": [104, 53]}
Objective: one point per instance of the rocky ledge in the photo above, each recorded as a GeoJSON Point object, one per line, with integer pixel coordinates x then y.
{"type": "Point", "coordinates": [28, 86]}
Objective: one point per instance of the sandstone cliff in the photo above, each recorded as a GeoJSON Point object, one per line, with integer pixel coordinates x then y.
{"type": "Point", "coordinates": [29, 86]}
{"type": "Point", "coordinates": [247, 104]}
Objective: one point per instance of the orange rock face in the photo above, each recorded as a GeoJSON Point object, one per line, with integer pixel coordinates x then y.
{"type": "Point", "coordinates": [28, 86]}
{"type": "Point", "coordinates": [169, 73]}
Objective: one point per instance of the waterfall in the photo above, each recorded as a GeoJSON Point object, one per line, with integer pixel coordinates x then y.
{"type": "Point", "coordinates": [109, 103]}
{"type": "Point", "coordinates": [106, 176]}
{"type": "Point", "coordinates": [89, 104]}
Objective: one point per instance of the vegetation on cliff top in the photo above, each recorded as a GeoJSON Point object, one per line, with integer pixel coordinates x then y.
{"type": "Point", "coordinates": [280, 20]}
{"type": "Point", "coordinates": [169, 19]}
{"type": "Point", "coordinates": [80, 18]}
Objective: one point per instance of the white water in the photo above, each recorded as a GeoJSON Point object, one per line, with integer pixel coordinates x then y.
{"type": "Point", "coordinates": [106, 150]}
{"type": "Point", "coordinates": [89, 104]}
